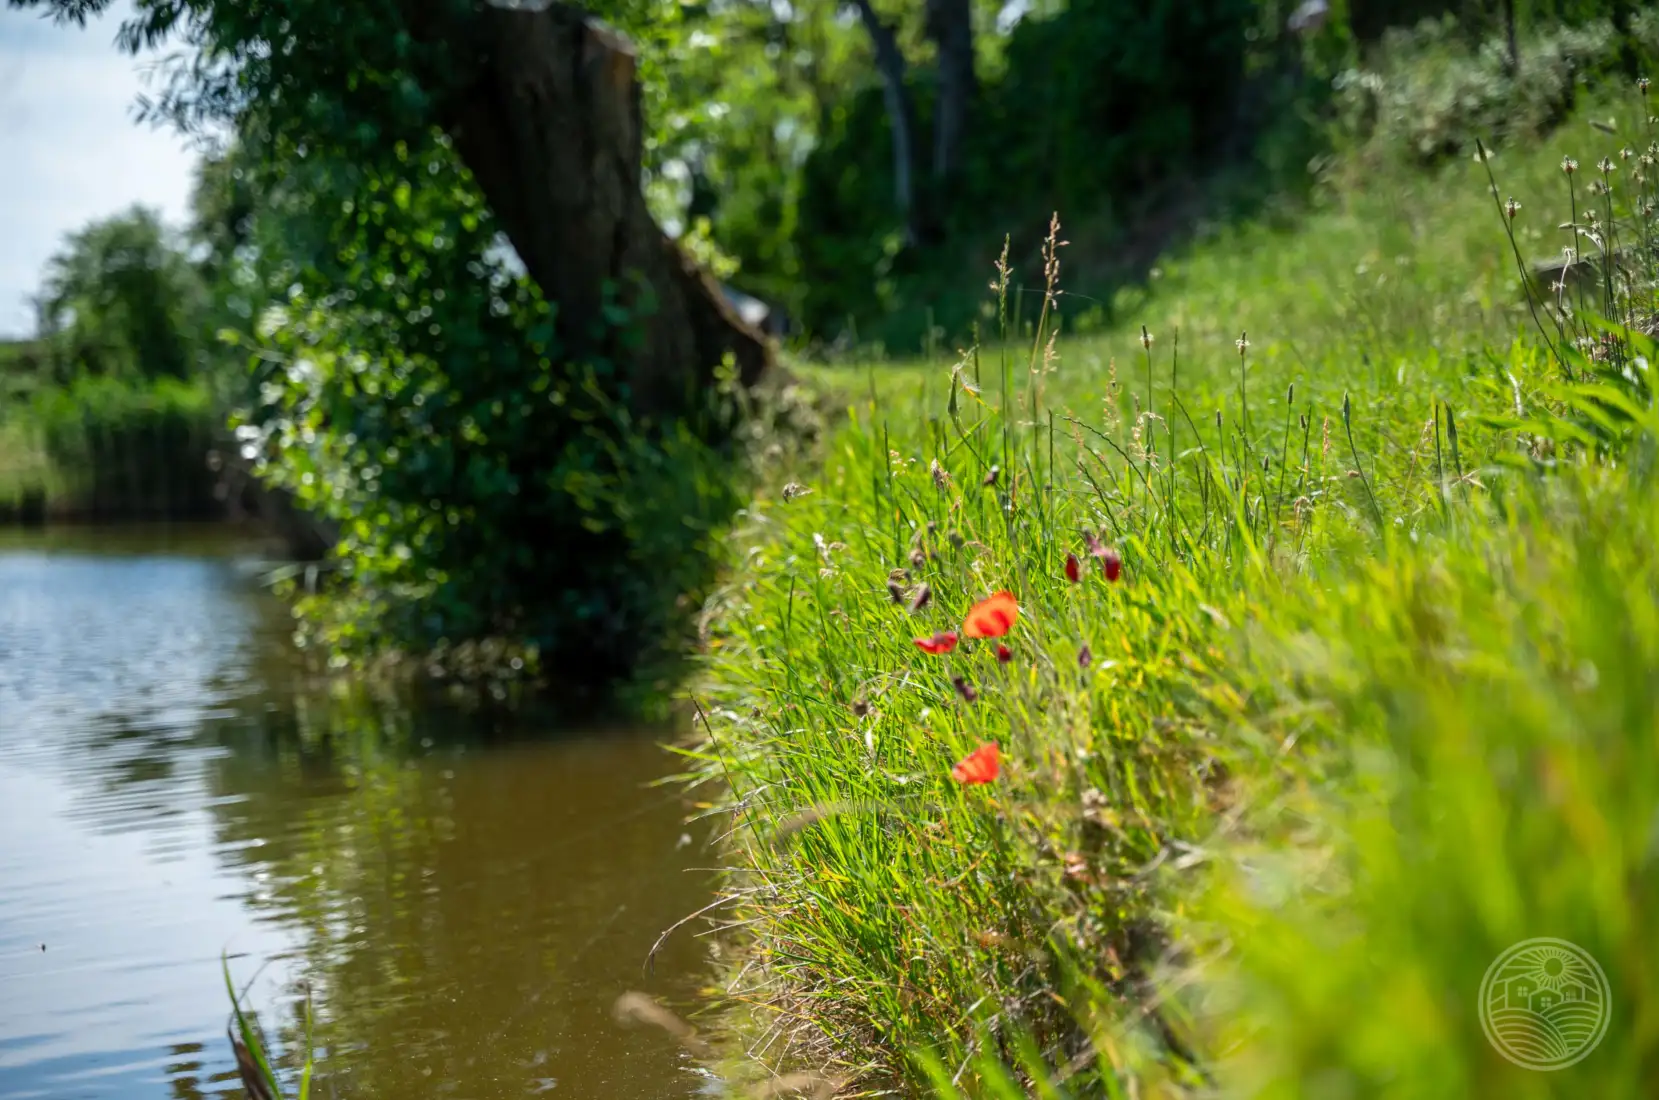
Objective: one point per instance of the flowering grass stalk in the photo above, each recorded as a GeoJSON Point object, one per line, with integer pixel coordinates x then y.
{"type": "Point", "coordinates": [1342, 694]}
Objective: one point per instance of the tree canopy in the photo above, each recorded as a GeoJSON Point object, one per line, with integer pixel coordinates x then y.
{"type": "Point", "coordinates": [121, 298]}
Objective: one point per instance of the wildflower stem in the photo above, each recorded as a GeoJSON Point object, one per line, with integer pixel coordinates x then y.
{"type": "Point", "coordinates": [1520, 264]}
{"type": "Point", "coordinates": [1359, 467]}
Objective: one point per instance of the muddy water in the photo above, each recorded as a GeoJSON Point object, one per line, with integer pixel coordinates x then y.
{"type": "Point", "coordinates": [463, 898]}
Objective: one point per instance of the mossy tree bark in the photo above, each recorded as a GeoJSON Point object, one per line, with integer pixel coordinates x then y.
{"type": "Point", "coordinates": [544, 109]}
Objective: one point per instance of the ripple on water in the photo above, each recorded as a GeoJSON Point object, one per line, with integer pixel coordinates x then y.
{"type": "Point", "coordinates": [465, 898]}
{"type": "Point", "coordinates": [109, 928]}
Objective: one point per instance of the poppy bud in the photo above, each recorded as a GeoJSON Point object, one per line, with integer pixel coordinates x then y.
{"type": "Point", "coordinates": [1073, 572]}
{"type": "Point", "coordinates": [1084, 657]}
{"type": "Point", "coordinates": [895, 591]}
{"type": "Point", "coordinates": [964, 689]}
{"type": "Point", "coordinates": [918, 558]}
{"type": "Point", "coordinates": [1004, 654]}
{"type": "Point", "coordinates": [923, 595]}
{"type": "Point", "coordinates": [1112, 565]}
{"type": "Point", "coordinates": [992, 475]}
{"type": "Point", "coordinates": [860, 708]}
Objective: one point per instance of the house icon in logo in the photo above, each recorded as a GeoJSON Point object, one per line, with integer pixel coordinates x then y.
{"type": "Point", "coordinates": [1518, 993]}
{"type": "Point", "coordinates": [1524, 993]}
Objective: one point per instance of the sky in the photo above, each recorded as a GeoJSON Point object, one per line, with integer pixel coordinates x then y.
{"type": "Point", "coordinates": [70, 147]}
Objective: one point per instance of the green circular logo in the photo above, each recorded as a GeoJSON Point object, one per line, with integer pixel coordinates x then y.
{"type": "Point", "coordinates": [1545, 1004]}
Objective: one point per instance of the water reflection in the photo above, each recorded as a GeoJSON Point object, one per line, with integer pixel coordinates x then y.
{"type": "Point", "coordinates": [464, 899]}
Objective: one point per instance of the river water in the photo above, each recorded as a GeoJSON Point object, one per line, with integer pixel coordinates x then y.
{"type": "Point", "coordinates": [464, 898]}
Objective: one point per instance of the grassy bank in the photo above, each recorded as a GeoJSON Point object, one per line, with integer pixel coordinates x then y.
{"type": "Point", "coordinates": [106, 448]}
{"type": "Point", "coordinates": [1371, 699]}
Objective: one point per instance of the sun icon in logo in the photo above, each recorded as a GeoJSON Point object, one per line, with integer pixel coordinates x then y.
{"type": "Point", "coordinates": [1555, 969]}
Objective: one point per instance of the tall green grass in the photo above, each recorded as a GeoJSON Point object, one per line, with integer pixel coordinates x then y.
{"type": "Point", "coordinates": [1483, 771]}
{"type": "Point", "coordinates": [1374, 697]}
{"type": "Point", "coordinates": [256, 1067]}
{"type": "Point", "coordinates": [109, 447]}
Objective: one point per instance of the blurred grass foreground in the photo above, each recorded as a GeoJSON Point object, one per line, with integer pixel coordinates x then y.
{"type": "Point", "coordinates": [1334, 673]}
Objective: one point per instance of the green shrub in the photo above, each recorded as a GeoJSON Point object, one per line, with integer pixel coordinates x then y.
{"type": "Point", "coordinates": [488, 498]}
{"type": "Point", "coordinates": [484, 487]}
{"type": "Point", "coordinates": [1429, 96]}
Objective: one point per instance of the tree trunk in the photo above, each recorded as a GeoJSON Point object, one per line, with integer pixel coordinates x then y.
{"type": "Point", "coordinates": [901, 116]}
{"type": "Point", "coordinates": [1511, 43]}
{"type": "Point", "coordinates": [823, 96]}
{"type": "Point", "coordinates": [545, 113]}
{"type": "Point", "coordinates": [950, 28]}
{"type": "Point", "coordinates": [1629, 57]}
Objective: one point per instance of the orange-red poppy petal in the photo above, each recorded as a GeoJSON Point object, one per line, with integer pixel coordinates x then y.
{"type": "Point", "coordinates": [992, 617]}
{"type": "Point", "coordinates": [942, 642]}
{"type": "Point", "coordinates": [979, 766]}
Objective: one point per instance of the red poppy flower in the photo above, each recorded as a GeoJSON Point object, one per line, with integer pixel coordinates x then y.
{"type": "Point", "coordinates": [942, 642]}
{"type": "Point", "coordinates": [979, 766]}
{"type": "Point", "coordinates": [992, 617]}
{"type": "Point", "coordinates": [1004, 654]}
{"type": "Point", "coordinates": [1073, 572]}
